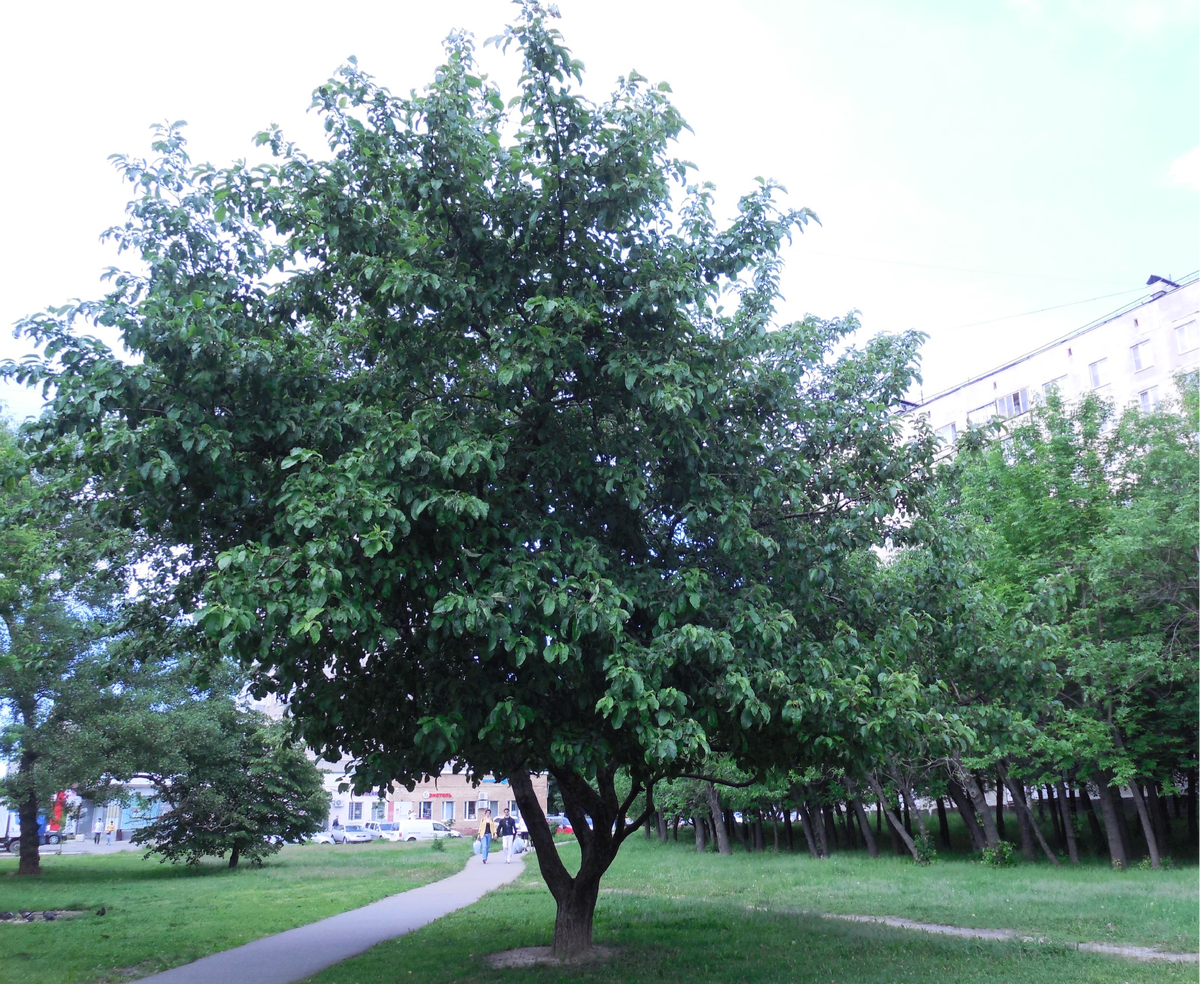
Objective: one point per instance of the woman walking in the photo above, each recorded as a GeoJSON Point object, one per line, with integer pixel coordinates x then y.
{"type": "Point", "coordinates": [487, 830]}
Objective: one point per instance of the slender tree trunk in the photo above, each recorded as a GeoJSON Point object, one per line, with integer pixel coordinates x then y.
{"type": "Point", "coordinates": [675, 828]}
{"type": "Point", "coordinates": [714, 802]}
{"type": "Point", "coordinates": [662, 827]}
{"type": "Point", "coordinates": [1158, 813]}
{"type": "Point", "coordinates": [831, 836]}
{"type": "Point", "coordinates": [910, 809]}
{"type": "Point", "coordinates": [1024, 822]}
{"type": "Point", "coordinates": [1021, 805]}
{"type": "Point", "coordinates": [1060, 836]}
{"type": "Point", "coordinates": [907, 816]}
{"type": "Point", "coordinates": [943, 823]}
{"type": "Point", "coordinates": [864, 825]}
{"type": "Point", "coordinates": [966, 810]}
{"type": "Point", "coordinates": [879, 818]}
{"type": "Point", "coordinates": [649, 808]}
{"type": "Point", "coordinates": [806, 826]}
{"type": "Point", "coordinates": [1041, 807]}
{"type": "Point", "coordinates": [701, 829]}
{"type": "Point", "coordinates": [975, 790]}
{"type": "Point", "coordinates": [788, 835]}
{"type": "Point", "coordinates": [1069, 827]}
{"type": "Point", "coordinates": [1112, 825]}
{"type": "Point", "coordinates": [1000, 808]}
{"type": "Point", "coordinates": [760, 842]}
{"type": "Point", "coordinates": [743, 832]}
{"type": "Point", "coordinates": [235, 855]}
{"type": "Point", "coordinates": [1147, 826]}
{"type": "Point", "coordinates": [818, 829]}
{"type": "Point", "coordinates": [895, 822]}
{"type": "Point", "coordinates": [30, 861]}
{"type": "Point", "coordinates": [1085, 799]}
{"type": "Point", "coordinates": [1193, 797]}
{"type": "Point", "coordinates": [775, 828]}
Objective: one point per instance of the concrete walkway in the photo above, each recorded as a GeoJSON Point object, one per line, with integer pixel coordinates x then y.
{"type": "Point", "coordinates": [301, 952]}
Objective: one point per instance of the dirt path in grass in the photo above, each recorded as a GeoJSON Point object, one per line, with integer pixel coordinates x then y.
{"type": "Point", "coordinates": [1112, 949]}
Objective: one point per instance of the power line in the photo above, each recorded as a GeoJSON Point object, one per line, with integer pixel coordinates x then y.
{"type": "Point", "coordinates": [1055, 307]}
{"type": "Point", "coordinates": [938, 266]}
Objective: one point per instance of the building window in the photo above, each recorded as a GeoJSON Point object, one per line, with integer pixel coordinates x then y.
{"type": "Point", "coordinates": [1143, 357]}
{"type": "Point", "coordinates": [1148, 399]}
{"type": "Point", "coordinates": [981, 415]}
{"type": "Point", "coordinates": [1188, 336]}
{"type": "Point", "coordinates": [377, 809]}
{"type": "Point", "coordinates": [469, 810]}
{"type": "Point", "coordinates": [948, 434]}
{"type": "Point", "coordinates": [1058, 386]}
{"type": "Point", "coordinates": [1098, 373]}
{"type": "Point", "coordinates": [425, 810]}
{"type": "Point", "coordinates": [355, 811]}
{"type": "Point", "coordinates": [1013, 404]}
{"type": "Point", "coordinates": [448, 810]}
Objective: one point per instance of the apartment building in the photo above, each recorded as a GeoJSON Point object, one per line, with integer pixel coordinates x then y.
{"type": "Point", "coordinates": [1132, 357]}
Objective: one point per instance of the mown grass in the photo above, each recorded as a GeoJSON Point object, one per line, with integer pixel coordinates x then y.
{"type": "Point", "coordinates": [159, 916]}
{"type": "Point", "coordinates": [673, 915]}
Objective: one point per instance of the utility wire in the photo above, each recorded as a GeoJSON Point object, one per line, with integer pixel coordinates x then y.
{"type": "Point", "coordinates": [1055, 307]}
{"type": "Point", "coordinates": [938, 266]}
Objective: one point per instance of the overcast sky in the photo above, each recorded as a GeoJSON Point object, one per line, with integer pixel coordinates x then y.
{"type": "Point", "coordinates": [970, 162]}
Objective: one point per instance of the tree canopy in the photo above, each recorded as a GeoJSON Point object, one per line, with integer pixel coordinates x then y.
{"type": "Point", "coordinates": [478, 438]}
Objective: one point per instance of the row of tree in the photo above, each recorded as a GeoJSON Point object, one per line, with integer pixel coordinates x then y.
{"type": "Point", "coordinates": [1037, 646]}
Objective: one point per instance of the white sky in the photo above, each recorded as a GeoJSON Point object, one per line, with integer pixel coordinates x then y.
{"type": "Point", "coordinates": [969, 161]}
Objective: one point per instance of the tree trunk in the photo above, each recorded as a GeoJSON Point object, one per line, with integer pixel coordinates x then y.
{"type": "Point", "coordinates": [30, 862]}
{"type": "Point", "coordinates": [806, 826]}
{"type": "Point", "coordinates": [1060, 835]}
{"type": "Point", "coordinates": [675, 829]}
{"type": "Point", "coordinates": [831, 837]}
{"type": "Point", "coordinates": [879, 818]}
{"type": "Point", "coordinates": [1085, 798]}
{"type": "Point", "coordinates": [788, 834]}
{"type": "Point", "coordinates": [1068, 826]}
{"type": "Point", "coordinates": [818, 827]}
{"type": "Point", "coordinates": [911, 810]}
{"type": "Point", "coordinates": [864, 824]}
{"type": "Point", "coordinates": [662, 827]}
{"type": "Point", "coordinates": [982, 813]}
{"type": "Point", "coordinates": [907, 816]}
{"type": "Point", "coordinates": [235, 855]}
{"type": "Point", "coordinates": [1158, 813]}
{"type": "Point", "coordinates": [775, 828]}
{"type": "Point", "coordinates": [1109, 811]}
{"type": "Point", "coordinates": [966, 810]}
{"type": "Point", "coordinates": [1024, 821]}
{"type": "Point", "coordinates": [760, 843]}
{"type": "Point", "coordinates": [943, 823]}
{"type": "Point", "coordinates": [895, 822]}
{"type": "Point", "coordinates": [1193, 797]}
{"type": "Point", "coordinates": [649, 807]}
{"type": "Point", "coordinates": [1147, 826]}
{"type": "Point", "coordinates": [848, 826]}
{"type": "Point", "coordinates": [1000, 809]}
{"type": "Point", "coordinates": [1021, 806]}
{"type": "Point", "coordinates": [701, 829]}
{"type": "Point", "coordinates": [743, 831]}
{"type": "Point", "coordinates": [714, 803]}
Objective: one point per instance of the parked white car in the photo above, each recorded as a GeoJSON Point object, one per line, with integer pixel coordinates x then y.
{"type": "Point", "coordinates": [354, 833]}
{"type": "Point", "coordinates": [414, 829]}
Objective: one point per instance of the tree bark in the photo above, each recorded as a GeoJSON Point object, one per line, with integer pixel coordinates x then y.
{"type": "Point", "coordinates": [1147, 826]}
{"type": "Point", "coordinates": [30, 861]}
{"type": "Point", "coordinates": [235, 855]}
{"type": "Point", "coordinates": [1069, 827]}
{"type": "Point", "coordinates": [760, 843]}
{"type": "Point", "coordinates": [943, 823]}
{"type": "Point", "coordinates": [788, 834]}
{"type": "Point", "coordinates": [864, 824]}
{"type": "Point", "coordinates": [1193, 797]}
{"type": "Point", "coordinates": [982, 813]}
{"type": "Point", "coordinates": [714, 803]}
{"type": "Point", "coordinates": [966, 810]}
{"type": "Point", "coordinates": [910, 809]}
{"type": "Point", "coordinates": [1109, 811]}
{"type": "Point", "coordinates": [1022, 806]}
{"type": "Point", "coordinates": [701, 829]}
{"type": "Point", "coordinates": [1024, 821]}
{"type": "Point", "coordinates": [649, 807]}
{"type": "Point", "coordinates": [895, 822]}
{"type": "Point", "coordinates": [1085, 799]}
{"type": "Point", "coordinates": [831, 837]}
{"type": "Point", "coordinates": [1060, 836]}
{"type": "Point", "coordinates": [806, 826]}
{"type": "Point", "coordinates": [1000, 809]}
{"type": "Point", "coordinates": [1158, 813]}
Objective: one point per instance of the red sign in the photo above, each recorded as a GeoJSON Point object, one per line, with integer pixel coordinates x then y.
{"type": "Point", "coordinates": [440, 796]}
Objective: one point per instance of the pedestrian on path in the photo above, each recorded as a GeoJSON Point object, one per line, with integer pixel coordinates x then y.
{"type": "Point", "coordinates": [487, 830]}
{"type": "Point", "coordinates": [109, 831]}
{"type": "Point", "coordinates": [97, 829]}
{"type": "Point", "coordinates": [506, 827]}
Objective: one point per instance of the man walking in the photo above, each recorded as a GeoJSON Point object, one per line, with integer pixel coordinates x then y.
{"type": "Point", "coordinates": [506, 827]}
{"type": "Point", "coordinates": [97, 828]}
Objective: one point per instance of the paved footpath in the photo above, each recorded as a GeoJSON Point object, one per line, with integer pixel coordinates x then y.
{"type": "Point", "coordinates": [301, 952]}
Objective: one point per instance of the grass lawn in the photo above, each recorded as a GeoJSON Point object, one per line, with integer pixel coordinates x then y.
{"type": "Point", "coordinates": [162, 915]}
{"type": "Point", "coordinates": [681, 917]}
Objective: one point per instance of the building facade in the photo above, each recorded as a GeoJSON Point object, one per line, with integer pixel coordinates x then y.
{"type": "Point", "coordinates": [1131, 357]}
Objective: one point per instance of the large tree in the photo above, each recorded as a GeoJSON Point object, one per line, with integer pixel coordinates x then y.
{"type": "Point", "coordinates": [478, 440]}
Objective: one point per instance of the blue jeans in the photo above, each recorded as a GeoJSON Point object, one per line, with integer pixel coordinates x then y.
{"type": "Point", "coordinates": [487, 844]}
